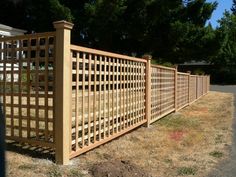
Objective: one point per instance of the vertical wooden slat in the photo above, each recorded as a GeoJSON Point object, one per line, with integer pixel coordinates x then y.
{"type": "Point", "coordinates": [136, 92]}
{"type": "Point", "coordinates": [46, 76]}
{"type": "Point", "coordinates": [113, 96]}
{"type": "Point", "coordinates": [128, 100]}
{"type": "Point", "coordinates": [132, 93]}
{"type": "Point", "coordinates": [37, 89]}
{"type": "Point", "coordinates": [189, 88]}
{"type": "Point", "coordinates": [104, 99]}
{"type": "Point", "coordinates": [83, 100]}
{"type": "Point", "coordinates": [120, 110]}
{"type": "Point", "coordinates": [121, 98]}
{"type": "Point", "coordinates": [20, 89]}
{"type": "Point", "coordinates": [117, 94]}
{"type": "Point", "coordinates": [109, 97]}
{"type": "Point", "coordinates": [100, 97]}
{"type": "Point", "coordinates": [123, 83]}
{"type": "Point", "coordinates": [77, 102]}
{"type": "Point", "coordinates": [12, 90]}
{"type": "Point", "coordinates": [4, 77]}
{"type": "Point", "coordinates": [28, 87]}
{"type": "Point", "coordinates": [89, 97]}
{"type": "Point", "coordinates": [95, 100]}
{"type": "Point", "coordinates": [176, 87]}
{"type": "Point", "coordinates": [139, 111]}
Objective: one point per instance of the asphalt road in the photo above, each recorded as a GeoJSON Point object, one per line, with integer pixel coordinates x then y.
{"type": "Point", "coordinates": [227, 168]}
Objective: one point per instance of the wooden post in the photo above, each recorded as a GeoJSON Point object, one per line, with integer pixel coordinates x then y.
{"type": "Point", "coordinates": [189, 88]}
{"type": "Point", "coordinates": [63, 91]}
{"type": "Point", "coordinates": [208, 83]}
{"type": "Point", "coordinates": [176, 86]}
{"type": "Point", "coordinates": [148, 89]}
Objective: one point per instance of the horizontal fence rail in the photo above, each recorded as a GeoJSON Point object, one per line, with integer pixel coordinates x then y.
{"type": "Point", "coordinates": [73, 99]}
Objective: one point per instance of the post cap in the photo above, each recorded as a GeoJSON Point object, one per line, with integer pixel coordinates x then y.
{"type": "Point", "coordinates": [147, 57]}
{"type": "Point", "coordinates": [63, 24]}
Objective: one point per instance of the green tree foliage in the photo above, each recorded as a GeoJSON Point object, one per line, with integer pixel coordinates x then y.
{"type": "Point", "coordinates": [171, 30]}
{"type": "Point", "coordinates": [33, 15]}
{"type": "Point", "coordinates": [226, 34]}
{"type": "Point", "coordinates": [233, 8]}
{"type": "Point", "coordinates": [225, 59]}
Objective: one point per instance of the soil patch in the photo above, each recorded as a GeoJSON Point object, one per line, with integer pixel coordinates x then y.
{"type": "Point", "coordinates": [117, 168]}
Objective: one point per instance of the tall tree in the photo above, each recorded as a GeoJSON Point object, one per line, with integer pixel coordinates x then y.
{"type": "Point", "coordinates": [170, 30]}
{"type": "Point", "coordinates": [33, 15]}
{"type": "Point", "coordinates": [233, 8]}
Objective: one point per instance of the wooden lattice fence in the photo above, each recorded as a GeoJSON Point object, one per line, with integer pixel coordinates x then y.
{"type": "Point", "coordinates": [73, 99]}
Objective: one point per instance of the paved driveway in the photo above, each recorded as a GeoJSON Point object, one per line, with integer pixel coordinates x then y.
{"type": "Point", "coordinates": [227, 168]}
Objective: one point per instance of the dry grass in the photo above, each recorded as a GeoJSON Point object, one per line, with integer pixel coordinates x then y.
{"type": "Point", "coordinates": [190, 142]}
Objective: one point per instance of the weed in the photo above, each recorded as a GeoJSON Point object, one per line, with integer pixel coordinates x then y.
{"type": "Point", "coordinates": [168, 160]}
{"type": "Point", "coordinates": [216, 154]}
{"type": "Point", "coordinates": [218, 139]}
{"type": "Point", "coordinates": [26, 167]}
{"type": "Point", "coordinates": [75, 173]}
{"type": "Point", "coordinates": [55, 172]}
{"type": "Point", "coordinates": [186, 171]}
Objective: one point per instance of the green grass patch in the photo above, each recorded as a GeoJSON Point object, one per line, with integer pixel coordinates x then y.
{"type": "Point", "coordinates": [216, 154]}
{"type": "Point", "coordinates": [186, 171]}
{"type": "Point", "coordinates": [178, 122]}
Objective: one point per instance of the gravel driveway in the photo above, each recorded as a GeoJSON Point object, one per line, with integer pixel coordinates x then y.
{"type": "Point", "coordinates": [227, 168]}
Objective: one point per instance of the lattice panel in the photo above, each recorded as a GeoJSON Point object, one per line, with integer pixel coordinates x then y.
{"type": "Point", "coordinates": [199, 86]}
{"type": "Point", "coordinates": [182, 90]}
{"type": "Point", "coordinates": [193, 88]}
{"type": "Point", "coordinates": [163, 92]}
{"type": "Point", "coordinates": [27, 80]}
{"type": "Point", "coordinates": [108, 97]}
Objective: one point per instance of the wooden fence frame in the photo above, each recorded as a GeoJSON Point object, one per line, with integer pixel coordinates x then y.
{"type": "Point", "coordinates": [63, 91]}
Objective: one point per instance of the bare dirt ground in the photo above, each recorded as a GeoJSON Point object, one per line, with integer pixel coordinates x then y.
{"type": "Point", "coordinates": [190, 142]}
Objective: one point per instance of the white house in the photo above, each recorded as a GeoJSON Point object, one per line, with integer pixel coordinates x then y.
{"type": "Point", "coordinates": [6, 31]}
{"type": "Point", "coordinates": [10, 31]}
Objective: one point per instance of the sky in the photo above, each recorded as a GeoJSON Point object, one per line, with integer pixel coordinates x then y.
{"type": "Point", "coordinates": [218, 13]}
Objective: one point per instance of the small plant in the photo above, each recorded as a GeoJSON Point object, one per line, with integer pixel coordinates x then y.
{"type": "Point", "coordinates": [186, 171]}
{"type": "Point", "coordinates": [168, 161]}
{"type": "Point", "coordinates": [26, 167]}
{"type": "Point", "coordinates": [216, 154]}
{"type": "Point", "coordinates": [75, 173]}
{"type": "Point", "coordinates": [218, 139]}
{"type": "Point", "coordinates": [55, 172]}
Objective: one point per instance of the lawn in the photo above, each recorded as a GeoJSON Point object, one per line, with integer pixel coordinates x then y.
{"type": "Point", "coordinates": [190, 142]}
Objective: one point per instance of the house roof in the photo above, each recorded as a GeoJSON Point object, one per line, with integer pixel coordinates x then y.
{"type": "Point", "coordinates": [10, 31]}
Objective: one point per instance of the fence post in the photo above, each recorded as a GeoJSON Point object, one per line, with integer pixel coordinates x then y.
{"type": "Point", "coordinates": [209, 83]}
{"type": "Point", "coordinates": [63, 91]}
{"type": "Point", "coordinates": [189, 88]}
{"type": "Point", "coordinates": [196, 87]}
{"type": "Point", "coordinates": [176, 86]}
{"type": "Point", "coordinates": [148, 89]}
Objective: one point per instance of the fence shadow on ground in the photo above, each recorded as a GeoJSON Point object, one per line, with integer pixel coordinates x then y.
{"type": "Point", "coordinates": [30, 150]}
